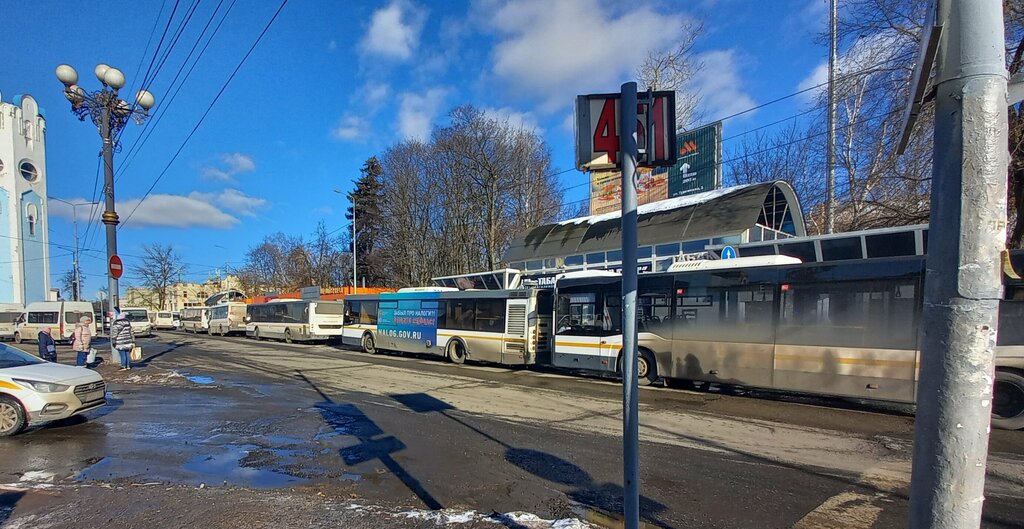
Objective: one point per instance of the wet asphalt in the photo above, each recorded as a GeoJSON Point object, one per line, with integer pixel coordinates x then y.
{"type": "Point", "coordinates": [201, 417]}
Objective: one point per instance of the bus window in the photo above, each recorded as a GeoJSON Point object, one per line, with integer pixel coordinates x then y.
{"type": "Point", "coordinates": [461, 314]}
{"type": "Point", "coordinates": [42, 317]}
{"type": "Point", "coordinates": [490, 315]}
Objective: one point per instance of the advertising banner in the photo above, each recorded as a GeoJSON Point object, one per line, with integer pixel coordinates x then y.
{"type": "Point", "coordinates": [401, 318]}
{"type": "Point", "coordinates": [698, 169]}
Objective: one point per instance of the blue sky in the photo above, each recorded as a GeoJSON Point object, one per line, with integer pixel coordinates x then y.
{"type": "Point", "coordinates": [333, 83]}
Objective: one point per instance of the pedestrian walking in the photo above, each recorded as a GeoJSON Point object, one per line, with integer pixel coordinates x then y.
{"type": "Point", "coordinates": [81, 340]}
{"type": "Point", "coordinates": [122, 339]}
{"type": "Point", "coordinates": [47, 347]}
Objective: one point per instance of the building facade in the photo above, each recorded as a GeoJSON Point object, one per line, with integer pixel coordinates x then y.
{"type": "Point", "coordinates": [24, 243]}
{"type": "Point", "coordinates": [179, 295]}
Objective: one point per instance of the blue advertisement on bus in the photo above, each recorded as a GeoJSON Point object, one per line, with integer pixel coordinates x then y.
{"type": "Point", "coordinates": [409, 316]}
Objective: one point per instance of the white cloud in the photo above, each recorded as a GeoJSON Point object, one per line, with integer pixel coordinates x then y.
{"type": "Point", "coordinates": [394, 30]}
{"type": "Point", "coordinates": [233, 200]}
{"type": "Point", "coordinates": [866, 54]}
{"type": "Point", "coordinates": [720, 86]}
{"type": "Point", "coordinates": [351, 128]}
{"type": "Point", "coordinates": [814, 83]}
{"type": "Point", "coordinates": [561, 48]}
{"type": "Point", "coordinates": [175, 211]}
{"type": "Point", "coordinates": [375, 94]}
{"type": "Point", "coordinates": [231, 164]}
{"type": "Point", "coordinates": [520, 120]}
{"type": "Point", "coordinates": [416, 112]}
{"type": "Point", "coordinates": [332, 45]}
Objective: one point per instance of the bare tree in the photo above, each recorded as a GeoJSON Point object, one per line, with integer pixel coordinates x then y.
{"type": "Point", "coordinates": [673, 70]}
{"type": "Point", "coordinates": [68, 284]}
{"type": "Point", "coordinates": [159, 267]}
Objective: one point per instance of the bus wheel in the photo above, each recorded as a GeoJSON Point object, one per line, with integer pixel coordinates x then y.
{"type": "Point", "coordinates": [647, 368]}
{"type": "Point", "coordinates": [457, 351]}
{"type": "Point", "coordinates": [1008, 401]}
{"type": "Point", "coordinates": [368, 345]}
{"type": "Point", "coordinates": [17, 337]}
{"type": "Point", "coordinates": [12, 416]}
{"type": "Point", "coordinates": [288, 336]}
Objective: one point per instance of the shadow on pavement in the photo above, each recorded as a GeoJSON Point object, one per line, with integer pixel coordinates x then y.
{"type": "Point", "coordinates": [171, 346]}
{"type": "Point", "coordinates": [8, 500]}
{"type": "Point", "coordinates": [348, 419]}
{"type": "Point", "coordinates": [605, 497]}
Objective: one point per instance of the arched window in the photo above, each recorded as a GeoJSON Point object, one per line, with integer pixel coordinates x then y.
{"type": "Point", "coordinates": [29, 171]}
{"type": "Point", "coordinates": [32, 215]}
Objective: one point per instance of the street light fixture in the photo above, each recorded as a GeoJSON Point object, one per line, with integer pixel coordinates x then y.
{"type": "Point", "coordinates": [352, 197]}
{"type": "Point", "coordinates": [110, 114]}
{"type": "Point", "coordinates": [77, 294]}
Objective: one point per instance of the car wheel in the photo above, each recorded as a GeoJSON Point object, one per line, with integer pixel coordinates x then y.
{"type": "Point", "coordinates": [368, 345]}
{"type": "Point", "coordinates": [12, 416]}
{"type": "Point", "coordinates": [288, 336]}
{"type": "Point", "coordinates": [457, 352]}
{"type": "Point", "coordinates": [17, 337]}
{"type": "Point", "coordinates": [1008, 401]}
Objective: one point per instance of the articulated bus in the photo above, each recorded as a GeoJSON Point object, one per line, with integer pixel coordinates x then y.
{"type": "Point", "coordinates": [842, 328]}
{"type": "Point", "coordinates": [228, 318]}
{"type": "Point", "coordinates": [295, 320]}
{"type": "Point", "coordinates": [510, 327]}
{"type": "Point", "coordinates": [195, 319]}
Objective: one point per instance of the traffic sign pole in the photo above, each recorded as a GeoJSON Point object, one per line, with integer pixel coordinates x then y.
{"type": "Point", "coordinates": [630, 386]}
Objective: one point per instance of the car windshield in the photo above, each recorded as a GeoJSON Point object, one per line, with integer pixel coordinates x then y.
{"type": "Point", "coordinates": [136, 315]}
{"type": "Point", "coordinates": [11, 357]}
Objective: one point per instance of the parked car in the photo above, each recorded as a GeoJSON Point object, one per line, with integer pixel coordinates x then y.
{"type": "Point", "coordinates": [33, 390]}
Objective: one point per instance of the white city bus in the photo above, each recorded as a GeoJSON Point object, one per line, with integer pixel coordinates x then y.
{"type": "Point", "coordinates": [139, 318]}
{"type": "Point", "coordinates": [509, 327]}
{"type": "Point", "coordinates": [227, 318]}
{"type": "Point", "coordinates": [295, 320]}
{"type": "Point", "coordinates": [10, 313]}
{"type": "Point", "coordinates": [195, 319]}
{"type": "Point", "coordinates": [59, 316]}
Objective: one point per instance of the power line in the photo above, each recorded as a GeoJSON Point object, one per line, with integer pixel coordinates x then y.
{"type": "Point", "coordinates": [208, 109]}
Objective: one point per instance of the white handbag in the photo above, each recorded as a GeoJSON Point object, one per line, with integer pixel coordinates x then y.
{"type": "Point", "coordinates": [91, 359]}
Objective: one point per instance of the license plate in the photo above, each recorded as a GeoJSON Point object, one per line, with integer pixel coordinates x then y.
{"type": "Point", "coordinates": [93, 396]}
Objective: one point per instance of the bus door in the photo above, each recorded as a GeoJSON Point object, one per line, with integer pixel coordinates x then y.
{"type": "Point", "coordinates": [588, 328]}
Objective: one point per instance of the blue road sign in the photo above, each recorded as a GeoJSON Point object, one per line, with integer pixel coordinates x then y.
{"type": "Point", "coordinates": [728, 252]}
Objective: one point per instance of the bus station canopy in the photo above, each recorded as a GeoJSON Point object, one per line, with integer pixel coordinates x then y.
{"type": "Point", "coordinates": [719, 213]}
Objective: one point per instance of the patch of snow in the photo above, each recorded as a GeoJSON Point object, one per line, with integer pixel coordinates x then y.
{"type": "Point", "coordinates": [443, 517]}
{"type": "Point", "coordinates": [38, 476]}
{"type": "Point", "coordinates": [661, 205]}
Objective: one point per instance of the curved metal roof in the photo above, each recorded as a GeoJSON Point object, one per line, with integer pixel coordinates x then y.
{"type": "Point", "coordinates": [717, 213]}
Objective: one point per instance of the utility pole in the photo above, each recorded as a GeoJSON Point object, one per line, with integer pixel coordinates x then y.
{"type": "Point", "coordinates": [76, 294]}
{"type": "Point", "coordinates": [630, 385]}
{"type": "Point", "coordinates": [962, 287]}
{"type": "Point", "coordinates": [830, 154]}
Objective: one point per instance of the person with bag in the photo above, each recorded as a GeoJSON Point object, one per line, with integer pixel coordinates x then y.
{"type": "Point", "coordinates": [122, 339]}
{"type": "Point", "coordinates": [47, 347]}
{"type": "Point", "coordinates": [81, 338]}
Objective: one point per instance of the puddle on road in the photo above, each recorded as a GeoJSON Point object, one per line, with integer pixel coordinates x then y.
{"type": "Point", "coordinates": [228, 467]}
{"type": "Point", "coordinates": [199, 379]}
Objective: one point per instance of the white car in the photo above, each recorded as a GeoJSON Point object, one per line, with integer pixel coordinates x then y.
{"type": "Point", "coordinates": [33, 390]}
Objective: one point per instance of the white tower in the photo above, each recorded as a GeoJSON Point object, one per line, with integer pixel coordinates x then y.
{"type": "Point", "coordinates": [24, 243]}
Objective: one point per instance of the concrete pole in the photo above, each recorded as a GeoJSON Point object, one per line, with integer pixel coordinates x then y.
{"type": "Point", "coordinates": [830, 154]}
{"type": "Point", "coordinates": [630, 389]}
{"type": "Point", "coordinates": [962, 286]}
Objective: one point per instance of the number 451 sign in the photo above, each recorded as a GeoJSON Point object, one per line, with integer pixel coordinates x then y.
{"type": "Point", "coordinates": [597, 130]}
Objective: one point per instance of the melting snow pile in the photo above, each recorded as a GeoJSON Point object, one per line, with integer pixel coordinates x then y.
{"type": "Point", "coordinates": [448, 517]}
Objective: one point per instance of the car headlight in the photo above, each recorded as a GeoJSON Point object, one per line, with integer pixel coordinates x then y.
{"type": "Point", "coordinates": [43, 387]}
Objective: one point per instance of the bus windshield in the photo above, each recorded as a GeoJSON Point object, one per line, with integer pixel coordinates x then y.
{"type": "Point", "coordinates": [136, 315]}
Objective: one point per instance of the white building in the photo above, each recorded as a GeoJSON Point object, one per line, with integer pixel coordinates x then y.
{"type": "Point", "coordinates": [24, 244]}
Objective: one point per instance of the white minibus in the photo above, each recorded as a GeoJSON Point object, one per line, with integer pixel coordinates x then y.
{"type": "Point", "coordinates": [227, 318]}
{"type": "Point", "coordinates": [60, 316]}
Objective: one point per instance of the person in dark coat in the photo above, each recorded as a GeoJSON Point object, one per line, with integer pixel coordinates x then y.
{"type": "Point", "coordinates": [47, 347]}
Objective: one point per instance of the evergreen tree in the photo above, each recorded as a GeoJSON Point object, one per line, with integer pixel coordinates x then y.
{"type": "Point", "coordinates": [369, 246]}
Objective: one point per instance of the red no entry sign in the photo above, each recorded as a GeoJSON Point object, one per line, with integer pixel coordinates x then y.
{"type": "Point", "coordinates": [116, 267]}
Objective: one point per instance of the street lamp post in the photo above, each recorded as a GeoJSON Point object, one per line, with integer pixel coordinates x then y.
{"type": "Point", "coordinates": [76, 295]}
{"type": "Point", "coordinates": [355, 282]}
{"type": "Point", "coordinates": [110, 114]}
